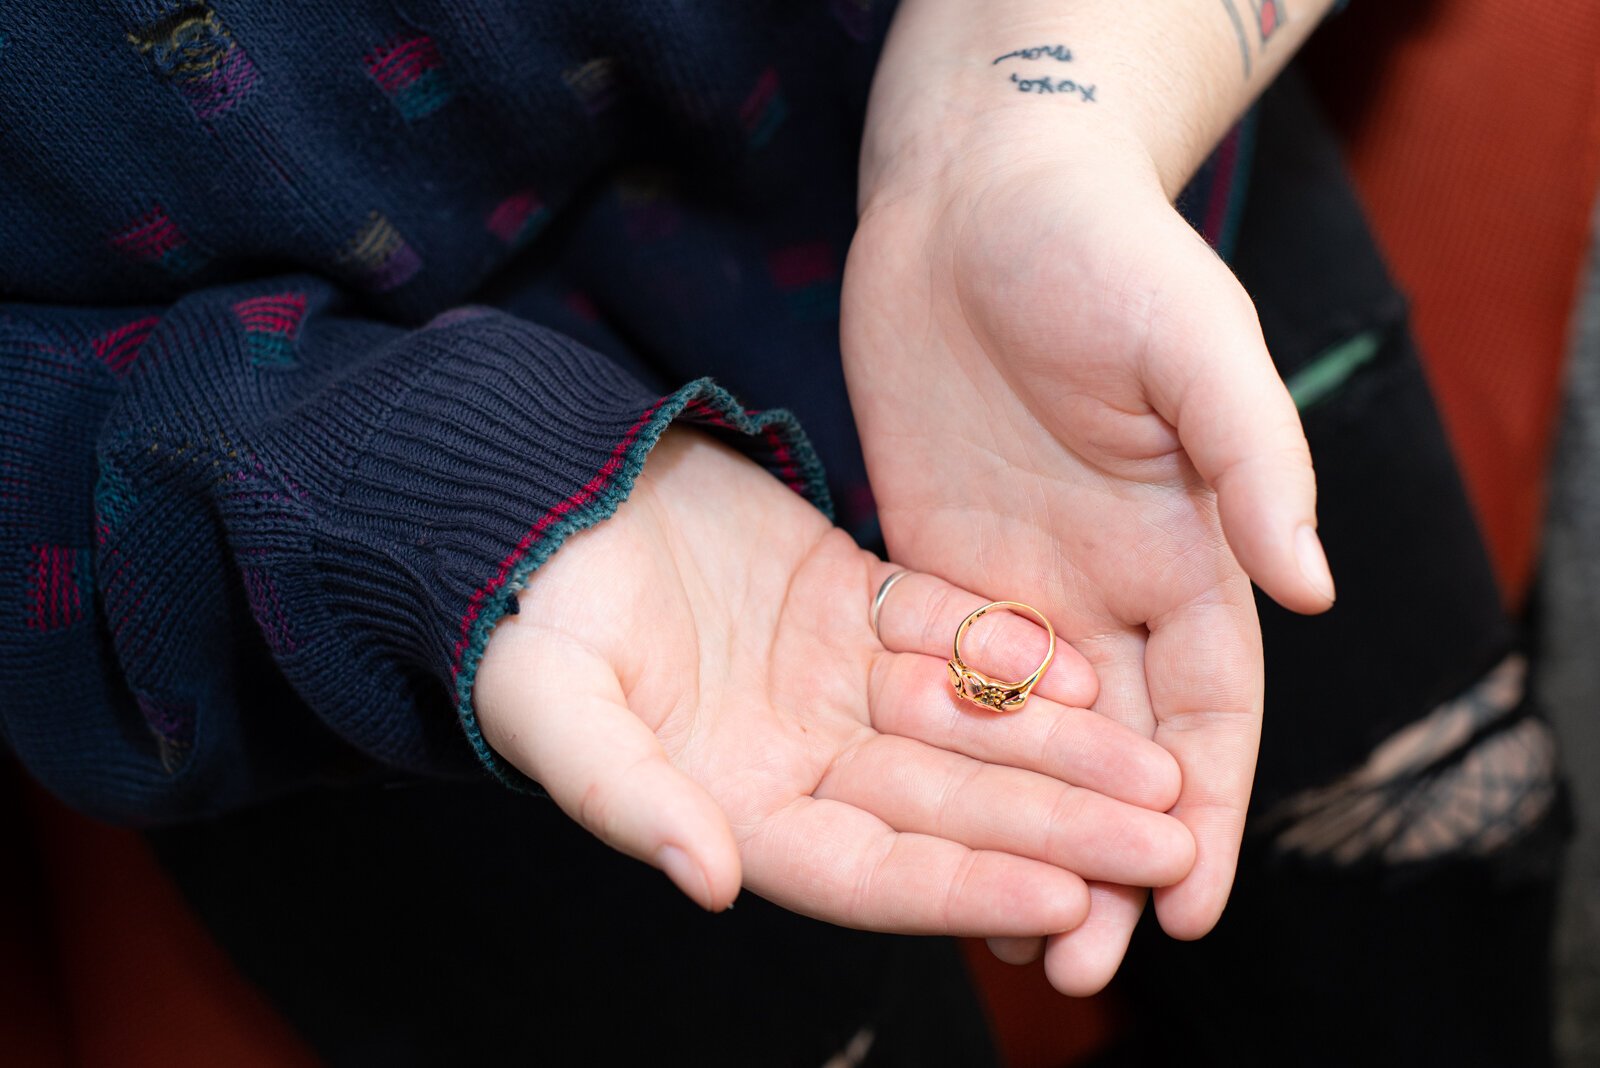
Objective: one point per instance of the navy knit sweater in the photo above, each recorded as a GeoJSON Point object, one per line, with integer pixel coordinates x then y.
{"type": "Point", "coordinates": [324, 323]}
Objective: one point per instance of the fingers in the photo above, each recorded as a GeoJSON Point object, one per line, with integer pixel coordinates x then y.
{"type": "Point", "coordinates": [922, 613]}
{"type": "Point", "coordinates": [1080, 962]}
{"type": "Point", "coordinates": [1016, 950]}
{"type": "Point", "coordinates": [1083, 966]}
{"type": "Point", "coordinates": [567, 727]}
{"type": "Point", "coordinates": [1210, 375]}
{"type": "Point", "coordinates": [1205, 674]}
{"type": "Point", "coordinates": [917, 788]}
{"type": "Point", "coordinates": [835, 862]}
{"type": "Point", "coordinates": [911, 696]}
{"type": "Point", "coordinates": [1117, 659]}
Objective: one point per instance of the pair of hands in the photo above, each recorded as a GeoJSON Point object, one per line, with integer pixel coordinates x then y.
{"type": "Point", "coordinates": [1064, 398]}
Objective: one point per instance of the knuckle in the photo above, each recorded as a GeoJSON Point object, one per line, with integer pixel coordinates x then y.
{"type": "Point", "coordinates": [957, 893]}
{"type": "Point", "coordinates": [594, 809]}
{"type": "Point", "coordinates": [941, 604]}
{"type": "Point", "coordinates": [1064, 745]}
{"type": "Point", "coordinates": [870, 876]}
{"type": "Point", "coordinates": [1065, 818]}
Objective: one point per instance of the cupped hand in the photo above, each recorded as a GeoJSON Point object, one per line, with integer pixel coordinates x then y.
{"type": "Point", "coordinates": [1064, 397]}
{"type": "Point", "coordinates": [697, 682]}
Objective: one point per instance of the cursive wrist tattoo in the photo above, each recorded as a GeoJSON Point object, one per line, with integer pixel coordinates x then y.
{"type": "Point", "coordinates": [1047, 84]}
{"type": "Point", "coordinates": [1054, 85]}
{"type": "Point", "coordinates": [1059, 53]}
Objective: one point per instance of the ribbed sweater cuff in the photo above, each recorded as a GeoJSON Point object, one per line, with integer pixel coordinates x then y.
{"type": "Point", "coordinates": [492, 459]}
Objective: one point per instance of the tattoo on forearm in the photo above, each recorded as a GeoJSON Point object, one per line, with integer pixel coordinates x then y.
{"type": "Point", "coordinates": [1268, 18]}
{"type": "Point", "coordinates": [1238, 31]}
{"type": "Point", "coordinates": [1047, 84]}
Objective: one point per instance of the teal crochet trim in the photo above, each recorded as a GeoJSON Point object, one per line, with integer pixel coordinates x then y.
{"type": "Point", "coordinates": [716, 407]}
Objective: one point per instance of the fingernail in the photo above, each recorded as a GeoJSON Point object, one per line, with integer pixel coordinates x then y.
{"type": "Point", "coordinates": [685, 873]}
{"type": "Point", "coordinates": [1313, 561]}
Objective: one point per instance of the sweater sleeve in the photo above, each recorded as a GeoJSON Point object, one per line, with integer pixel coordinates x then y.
{"type": "Point", "coordinates": [253, 540]}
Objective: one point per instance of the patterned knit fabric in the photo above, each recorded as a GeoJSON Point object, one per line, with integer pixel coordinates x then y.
{"type": "Point", "coordinates": [324, 323]}
{"type": "Point", "coordinates": [267, 484]}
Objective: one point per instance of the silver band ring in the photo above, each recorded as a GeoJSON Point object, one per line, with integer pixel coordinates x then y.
{"type": "Point", "coordinates": [883, 594]}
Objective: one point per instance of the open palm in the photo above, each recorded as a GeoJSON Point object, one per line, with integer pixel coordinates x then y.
{"type": "Point", "coordinates": [697, 682]}
{"type": "Point", "coordinates": [1054, 379]}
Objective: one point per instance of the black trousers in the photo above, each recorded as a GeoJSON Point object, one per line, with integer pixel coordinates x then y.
{"type": "Point", "coordinates": [1317, 961]}
{"type": "Point", "coordinates": [438, 924]}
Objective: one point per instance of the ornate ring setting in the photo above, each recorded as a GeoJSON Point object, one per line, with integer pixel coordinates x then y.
{"type": "Point", "coordinates": [991, 693]}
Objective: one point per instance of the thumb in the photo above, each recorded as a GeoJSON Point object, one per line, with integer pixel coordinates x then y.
{"type": "Point", "coordinates": [1211, 377]}
{"type": "Point", "coordinates": [563, 721]}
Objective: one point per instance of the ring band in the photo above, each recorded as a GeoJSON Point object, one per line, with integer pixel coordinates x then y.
{"type": "Point", "coordinates": [990, 693]}
{"type": "Point", "coordinates": [883, 593]}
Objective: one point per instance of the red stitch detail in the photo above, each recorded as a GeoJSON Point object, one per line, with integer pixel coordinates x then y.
{"type": "Point", "coordinates": [511, 217]}
{"type": "Point", "coordinates": [607, 470]}
{"type": "Point", "coordinates": [150, 237]}
{"type": "Point", "coordinates": [57, 600]}
{"type": "Point", "coordinates": [400, 63]}
{"type": "Point", "coordinates": [786, 469]}
{"type": "Point", "coordinates": [705, 412]}
{"type": "Point", "coordinates": [278, 313]}
{"type": "Point", "coordinates": [270, 322]}
{"type": "Point", "coordinates": [117, 348]}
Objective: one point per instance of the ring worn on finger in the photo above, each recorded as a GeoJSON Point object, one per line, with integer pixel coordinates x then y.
{"type": "Point", "coordinates": [990, 693]}
{"type": "Point", "coordinates": [883, 594]}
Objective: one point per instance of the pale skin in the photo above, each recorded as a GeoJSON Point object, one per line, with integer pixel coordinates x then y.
{"type": "Point", "coordinates": [695, 680]}
{"type": "Point", "coordinates": [1064, 395]}
{"type": "Point", "coordinates": [1064, 398]}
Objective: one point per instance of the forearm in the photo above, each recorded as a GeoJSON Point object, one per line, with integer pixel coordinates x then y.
{"type": "Point", "coordinates": [1170, 78]}
{"type": "Point", "coordinates": [254, 531]}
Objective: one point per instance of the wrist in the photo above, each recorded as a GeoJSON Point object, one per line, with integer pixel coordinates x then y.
{"type": "Point", "coordinates": [966, 89]}
{"type": "Point", "coordinates": [591, 576]}
{"type": "Point", "coordinates": [1094, 74]}
{"type": "Point", "coordinates": [968, 148]}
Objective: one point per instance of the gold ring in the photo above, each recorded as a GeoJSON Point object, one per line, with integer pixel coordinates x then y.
{"type": "Point", "coordinates": [991, 693]}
